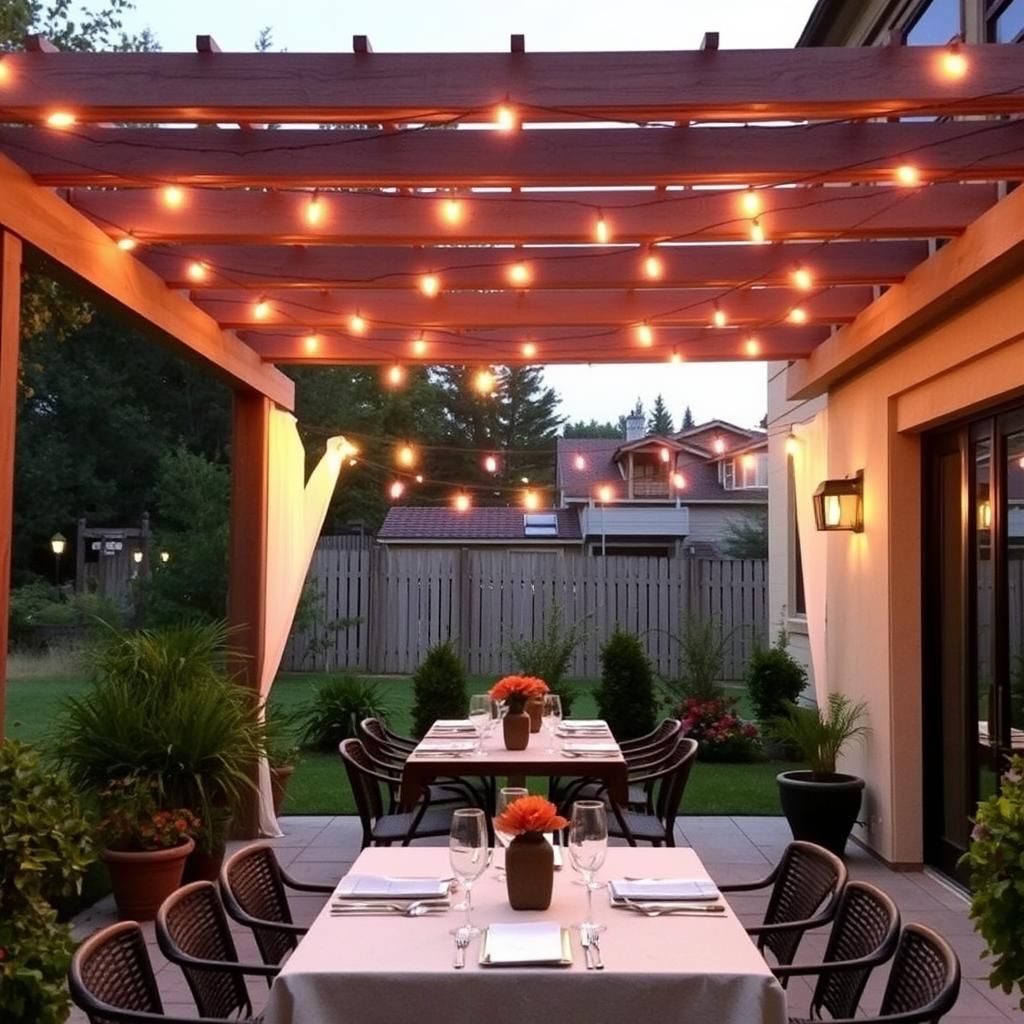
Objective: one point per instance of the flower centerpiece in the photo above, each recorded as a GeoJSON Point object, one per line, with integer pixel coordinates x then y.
{"type": "Point", "coordinates": [529, 859]}
{"type": "Point", "coordinates": [516, 693]}
{"type": "Point", "coordinates": [145, 846]}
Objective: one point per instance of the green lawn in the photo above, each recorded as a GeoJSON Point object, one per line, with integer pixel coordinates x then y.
{"type": "Point", "coordinates": [319, 785]}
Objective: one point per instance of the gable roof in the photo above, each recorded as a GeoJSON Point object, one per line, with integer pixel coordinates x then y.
{"type": "Point", "coordinates": [425, 523]}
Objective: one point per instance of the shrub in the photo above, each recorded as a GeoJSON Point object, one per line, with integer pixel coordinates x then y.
{"type": "Point", "coordinates": [625, 697]}
{"type": "Point", "coordinates": [701, 659]}
{"type": "Point", "coordinates": [336, 710]}
{"type": "Point", "coordinates": [821, 737]}
{"type": "Point", "coordinates": [995, 864]}
{"type": "Point", "coordinates": [774, 678]}
{"type": "Point", "coordinates": [719, 731]}
{"type": "Point", "coordinates": [439, 688]}
{"type": "Point", "coordinates": [548, 656]}
{"type": "Point", "coordinates": [44, 853]}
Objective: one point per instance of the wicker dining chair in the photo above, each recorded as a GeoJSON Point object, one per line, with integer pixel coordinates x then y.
{"type": "Point", "coordinates": [923, 984]}
{"type": "Point", "coordinates": [254, 888]}
{"type": "Point", "coordinates": [805, 888]}
{"type": "Point", "coordinates": [192, 931]}
{"type": "Point", "coordinates": [864, 936]}
{"type": "Point", "coordinates": [663, 731]}
{"type": "Point", "coordinates": [380, 826]}
{"type": "Point", "coordinates": [111, 980]}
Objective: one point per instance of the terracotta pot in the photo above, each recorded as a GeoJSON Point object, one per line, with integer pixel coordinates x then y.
{"type": "Point", "coordinates": [516, 728]}
{"type": "Point", "coordinates": [279, 777]}
{"type": "Point", "coordinates": [529, 872]}
{"type": "Point", "coordinates": [535, 709]}
{"type": "Point", "coordinates": [142, 880]}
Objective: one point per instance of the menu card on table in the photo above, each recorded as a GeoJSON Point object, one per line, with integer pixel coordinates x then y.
{"type": "Point", "coordinates": [532, 942]}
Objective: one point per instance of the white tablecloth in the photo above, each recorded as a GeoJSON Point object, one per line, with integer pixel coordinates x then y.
{"type": "Point", "coordinates": [393, 970]}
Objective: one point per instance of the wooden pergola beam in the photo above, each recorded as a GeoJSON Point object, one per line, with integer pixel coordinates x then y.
{"type": "Point", "coordinates": [76, 246]}
{"type": "Point", "coordinates": [709, 84]}
{"type": "Point", "coordinates": [989, 252]}
{"type": "Point", "coordinates": [388, 308]}
{"type": "Point", "coordinates": [968, 150]}
{"type": "Point", "coordinates": [315, 267]}
{"type": "Point", "coordinates": [386, 348]}
{"type": "Point", "coordinates": [258, 217]}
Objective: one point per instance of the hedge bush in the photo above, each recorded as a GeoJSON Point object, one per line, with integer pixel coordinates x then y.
{"type": "Point", "coordinates": [625, 697]}
{"type": "Point", "coordinates": [439, 688]}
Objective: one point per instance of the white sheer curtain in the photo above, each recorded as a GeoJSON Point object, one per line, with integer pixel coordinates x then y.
{"type": "Point", "coordinates": [810, 467]}
{"type": "Point", "coordinates": [295, 515]}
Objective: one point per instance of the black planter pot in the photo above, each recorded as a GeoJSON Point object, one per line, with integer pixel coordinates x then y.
{"type": "Point", "coordinates": [821, 810]}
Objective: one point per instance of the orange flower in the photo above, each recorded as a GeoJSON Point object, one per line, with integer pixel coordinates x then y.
{"type": "Point", "coordinates": [530, 814]}
{"type": "Point", "coordinates": [518, 688]}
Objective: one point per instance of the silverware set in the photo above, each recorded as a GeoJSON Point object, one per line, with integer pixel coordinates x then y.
{"type": "Point", "coordinates": [463, 936]}
{"type": "Point", "coordinates": [591, 943]}
{"type": "Point", "coordinates": [404, 908]}
{"type": "Point", "coordinates": [659, 908]}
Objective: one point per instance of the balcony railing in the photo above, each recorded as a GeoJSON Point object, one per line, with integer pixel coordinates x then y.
{"type": "Point", "coordinates": [650, 488]}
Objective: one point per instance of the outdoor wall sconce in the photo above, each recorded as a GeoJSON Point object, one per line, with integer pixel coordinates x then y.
{"type": "Point", "coordinates": [985, 515]}
{"type": "Point", "coordinates": [839, 504]}
{"type": "Point", "coordinates": [137, 557]}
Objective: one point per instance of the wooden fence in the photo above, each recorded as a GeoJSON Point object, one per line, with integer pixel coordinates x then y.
{"type": "Point", "coordinates": [380, 609]}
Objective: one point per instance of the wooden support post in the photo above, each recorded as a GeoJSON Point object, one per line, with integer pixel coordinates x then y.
{"type": "Point", "coordinates": [710, 41]}
{"type": "Point", "coordinates": [247, 576]}
{"type": "Point", "coordinates": [10, 320]}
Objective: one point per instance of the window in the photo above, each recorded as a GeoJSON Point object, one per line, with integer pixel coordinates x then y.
{"type": "Point", "coordinates": [935, 23]}
{"type": "Point", "coordinates": [797, 597]}
{"type": "Point", "coordinates": [1006, 21]}
{"type": "Point", "coordinates": [543, 524]}
{"type": "Point", "coordinates": [728, 476]}
{"type": "Point", "coordinates": [744, 472]}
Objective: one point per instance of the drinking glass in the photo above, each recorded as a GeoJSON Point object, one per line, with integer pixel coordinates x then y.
{"type": "Point", "coordinates": [588, 844]}
{"type": "Point", "coordinates": [480, 712]}
{"type": "Point", "coordinates": [552, 718]}
{"type": "Point", "coordinates": [469, 855]}
{"type": "Point", "coordinates": [506, 796]}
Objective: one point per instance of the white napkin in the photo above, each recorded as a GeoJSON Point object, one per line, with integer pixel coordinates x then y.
{"type": "Point", "coordinates": [652, 889]}
{"type": "Point", "coordinates": [446, 746]}
{"type": "Point", "coordinates": [382, 887]}
{"type": "Point", "coordinates": [533, 942]}
{"type": "Point", "coordinates": [453, 725]}
{"type": "Point", "coordinates": [586, 724]}
{"type": "Point", "coordinates": [591, 747]}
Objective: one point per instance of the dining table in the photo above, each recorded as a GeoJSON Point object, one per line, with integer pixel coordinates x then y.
{"type": "Point", "coordinates": [491, 759]}
{"type": "Point", "coordinates": [388, 968]}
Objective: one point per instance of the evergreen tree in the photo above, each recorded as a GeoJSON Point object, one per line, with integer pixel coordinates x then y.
{"type": "Point", "coordinates": [660, 420]}
{"type": "Point", "coordinates": [594, 429]}
{"type": "Point", "coordinates": [687, 419]}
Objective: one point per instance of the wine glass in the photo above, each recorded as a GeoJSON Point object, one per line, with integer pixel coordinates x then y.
{"type": "Point", "coordinates": [480, 712]}
{"type": "Point", "coordinates": [588, 844]}
{"type": "Point", "coordinates": [506, 795]}
{"type": "Point", "coordinates": [552, 717]}
{"type": "Point", "coordinates": [468, 854]}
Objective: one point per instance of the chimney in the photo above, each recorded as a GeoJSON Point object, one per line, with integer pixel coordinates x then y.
{"type": "Point", "coordinates": [636, 426]}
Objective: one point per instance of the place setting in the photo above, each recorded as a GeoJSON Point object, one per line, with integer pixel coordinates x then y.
{"type": "Point", "coordinates": [382, 894]}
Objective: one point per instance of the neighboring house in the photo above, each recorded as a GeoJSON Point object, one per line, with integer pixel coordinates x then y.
{"type": "Point", "coordinates": [652, 495]}
{"type": "Point", "coordinates": [507, 528]}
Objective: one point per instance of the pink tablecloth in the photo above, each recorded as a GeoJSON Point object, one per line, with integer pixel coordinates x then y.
{"type": "Point", "coordinates": [393, 970]}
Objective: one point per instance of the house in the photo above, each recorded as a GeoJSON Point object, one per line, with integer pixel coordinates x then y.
{"type": "Point", "coordinates": [506, 528]}
{"type": "Point", "coordinates": [652, 495]}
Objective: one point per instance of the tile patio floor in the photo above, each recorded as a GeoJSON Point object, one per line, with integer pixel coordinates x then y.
{"type": "Point", "coordinates": [733, 849]}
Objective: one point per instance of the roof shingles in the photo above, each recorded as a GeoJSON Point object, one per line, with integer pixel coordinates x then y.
{"type": "Point", "coordinates": [410, 523]}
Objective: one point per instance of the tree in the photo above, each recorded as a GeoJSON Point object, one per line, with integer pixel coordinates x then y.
{"type": "Point", "coordinates": [687, 419]}
{"type": "Point", "coordinates": [660, 420]}
{"type": "Point", "coordinates": [581, 429]}
{"type": "Point", "coordinates": [747, 536]}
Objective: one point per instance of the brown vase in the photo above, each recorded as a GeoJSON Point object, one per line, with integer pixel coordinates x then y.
{"type": "Point", "coordinates": [516, 728]}
{"type": "Point", "coordinates": [143, 879]}
{"type": "Point", "coordinates": [279, 776]}
{"type": "Point", "coordinates": [529, 872]}
{"type": "Point", "coordinates": [535, 709]}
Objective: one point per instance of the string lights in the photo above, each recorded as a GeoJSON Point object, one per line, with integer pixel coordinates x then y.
{"type": "Point", "coordinates": [396, 490]}
{"type": "Point", "coordinates": [519, 274]}
{"type": "Point", "coordinates": [605, 494]}
{"type": "Point", "coordinates": [757, 234]}
{"type": "Point", "coordinates": [60, 119]}
{"type": "Point", "coordinates": [451, 211]}
{"type": "Point", "coordinates": [653, 267]}
{"type": "Point", "coordinates": [665, 455]}
{"type": "Point", "coordinates": [718, 317]}
{"type": "Point", "coordinates": [483, 381]}
{"type": "Point", "coordinates": [602, 233]}
{"type": "Point", "coordinates": [127, 242]}
{"type": "Point", "coordinates": [678, 481]}
{"type": "Point", "coordinates": [462, 502]}
{"type": "Point", "coordinates": [797, 315]}
{"type": "Point", "coordinates": [792, 445]}
{"type": "Point", "coordinates": [505, 118]}
{"type": "Point", "coordinates": [531, 500]}
{"type": "Point", "coordinates": [580, 463]}
{"type": "Point", "coordinates": [750, 203]}
{"type": "Point", "coordinates": [491, 464]}
{"type": "Point", "coordinates": [752, 346]}
{"type": "Point", "coordinates": [953, 63]}
{"type": "Point", "coordinates": [406, 456]}
{"type": "Point", "coordinates": [908, 174]}
{"type": "Point", "coordinates": [419, 345]}
{"type": "Point", "coordinates": [644, 334]}
{"type": "Point", "coordinates": [718, 445]}
{"type": "Point", "coordinates": [802, 278]}
{"type": "Point", "coordinates": [261, 309]}
{"type": "Point", "coordinates": [356, 324]}
{"type": "Point", "coordinates": [396, 375]}
{"type": "Point", "coordinates": [173, 197]}
{"type": "Point", "coordinates": [529, 350]}
{"type": "Point", "coordinates": [196, 270]}
{"type": "Point", "coordinates": [311, 344]}
{"type": "Point", "coordinates": [314, 210]}
{"type": "Point", "coordinates": [676, 357]}
{"type": "Point", "coordinates": [430, 285]}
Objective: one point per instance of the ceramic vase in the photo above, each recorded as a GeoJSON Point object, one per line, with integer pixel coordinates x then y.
{"type": "Point", "coordinates": [529, 872]}
{"type": "Point", "coordinates": [535, 709]}
{"type": "Point", "coordinates": [516, 729]}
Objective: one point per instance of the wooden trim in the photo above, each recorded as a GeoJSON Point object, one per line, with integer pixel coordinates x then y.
{"type": "Point", "coordinates": [367, 87]}
{"type": "Point", "coordinates": [990, 251]}
{"type": "Point", "coordinates": [823, 152]}
{"type": "Point", "coordinates": [91, 258]}
{"type": "Point", "coordinates": [10, 326]}
{"type": "Point", "coordinates": [213, 216]}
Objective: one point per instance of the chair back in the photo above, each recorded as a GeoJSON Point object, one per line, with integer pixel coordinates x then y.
{"type": "Point", "coordinates": [250, 882]}
{"type": "Point", "coordinates": [404, 742]}
{"type": "Point", "coordinates": [111, 971]}
{"type": "Point", "coordinates": [866, 927]}
{"type": "Point", "coordinates": [648, 738]}
{"type": "Point", "coordinates": [191, 923]}
{"type": "Point", "coordinates": [925, 976]}
{"type": "Point", "coordinates": [808, 879]}
{"type": "Point", "coordinates": [377, 743]}
{"type": "Point", "coordinates": [673, 784]}
{"type": "Point", "coordinates": [361, 768]}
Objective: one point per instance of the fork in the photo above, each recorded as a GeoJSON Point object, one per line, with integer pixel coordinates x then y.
{"type": "Point", "coordinates": [417, 908]}
{"type": "Point", "coordinates": [462, 939]}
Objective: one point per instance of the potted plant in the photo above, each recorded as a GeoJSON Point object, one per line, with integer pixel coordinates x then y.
{"type": "Point", "coordinates": [145, 846]}
{"type": "Point", "coordinates": [515, 692]}
{"type": "Point", "coordinates": [821, 804]}
{"type": "Point", "coordinates": [529, 858]}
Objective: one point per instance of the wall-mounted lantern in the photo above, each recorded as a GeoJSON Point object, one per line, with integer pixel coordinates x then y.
{"type": "Point", "coordinates": [839, 504]}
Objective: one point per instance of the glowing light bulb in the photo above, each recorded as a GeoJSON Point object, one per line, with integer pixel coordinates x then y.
{"type": "Point", "coordinates": [1021, 462]}
{"type": "Point", "coordinates": [605, 493]}
{"type": "Point", "coordinates": [484, 382]}
{"type": "Point", "coordinates": [792, 445]}
{"type": "Point", "coordinates": [665, 455]}
{"type": "Point", "coordinates": [196, 271]}
{"type": "Point", "coordinates": [311, 344]}
{"type": "Point", "coordinates": [491, 464]}
{"type": "Point", "coordinates": [396, 375]}
{"type": "Point", "coordinates": [452, 211]}
{"type": "Point", "coordinates": [718, 446]}
{"type": "Point", "coordinates": [261, 310]}
{"type": "Point", "coordinates": [718, 318]}
{"type": "Point", "coordinates": [353, 462]}
{"type": "Point", "coordinates": [430, 285]}
{"type": "Point", "coordinates": [752, 346]}
{"type": "Point", "coordinates": [127, 243]}
{"type": "Point", "coordinates": [531, 500]}
{"type": "Point", "coordinates": [750, 203]}
{"type": "Point", "coordinates": [519, 273]}
{"type": "Point", "coordinates": [803, 279]}
{"type": "Point", "coordinates": [406, 456]}
{"type": "Point", "coordinates": [644, 335]}
{"type": "Point", "coordinates": [396, 490]}
{"type": "Point", "coordinates": [653, 266]}
{"type": "Point", "coordinates": [419, 478]}
{"type": "Point", "coordinates": [748, 461]}
{"type": "Point", "coordinates": [419, 346]}
{"type": "Point", "coordinates": [356, 324]}
{"type": "Point", "coordinates": [505, 118]}
{"type": "Point", "coordinates": [797, 315]}
{"type": "Point", "coordinates": [60, 119]}
{"type": "Point", "coordinates": [314, 210]}
{"type": "Point", "coordinates": [580, 463]}
{"type": "Point", "coordinates": [529, 350]}
{"type": "Point", "coordinates": [907, 174]}
{"type": "Point", "coordinates": [757, 231]}
{"type": "Point", "coordinates": [678, 481]}
{"type": "Point", "coordinates": [173, 197]}
{"type": "Point", "coordinates": [953, 63]}
{"type": "Point", "coordinates": [5, 71]}
{"type": "Point", "coordinates": [602, 233]}
{"type": "Point", "coordinates": [676, 357]}
{"type": "Point", "coordinates": [462, 503]}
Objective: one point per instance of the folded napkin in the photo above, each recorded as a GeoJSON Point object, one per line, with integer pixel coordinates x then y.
{"type": "Point", "coordinates": [584, 724]}
{"type": "Point", "coordinates": [445, 746]}
{"type": "Point", "coordinates": [653, 889]}
{"type": "Point", "coordinates": [591, 747]}
{"type": "Point", "coordinates": [532, 942]}
{"type": "Point", "coordinates": [453, 725]}
{"type": "Point", "coordinates": [386, 887]}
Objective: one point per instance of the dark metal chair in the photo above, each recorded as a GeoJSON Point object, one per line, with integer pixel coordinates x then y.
{"type": "Point", "coordinates": [192, 931]}
{"type": "Point", "coordinates": [254, 888]}
{"type": "Point", "coordinates": [864, 936]}
{"type": "Point", "coordinates": [806, 885]}
{"type": "Point", "coordinates": [663, 731]}
{"type": "Point", "coordinates": [405, 742]}
{"type": "Point", "coordinates": [380, 826]}
{"type": "Point", "coordinates": [923, 984]}
{"type": "Point", "coordinates": [111, 980]}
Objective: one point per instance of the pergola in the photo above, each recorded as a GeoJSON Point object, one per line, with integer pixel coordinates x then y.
{"type": "Point", "coordinates": [402, 209]}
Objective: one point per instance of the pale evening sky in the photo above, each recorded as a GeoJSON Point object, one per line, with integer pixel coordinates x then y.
{"type": "Point", "coordinates": [732, 391]}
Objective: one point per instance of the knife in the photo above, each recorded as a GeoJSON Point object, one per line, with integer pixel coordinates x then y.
{"type": "Point", "coordinates": [585, 943]}
{"type": "Point", "coordinates": [595, 948]}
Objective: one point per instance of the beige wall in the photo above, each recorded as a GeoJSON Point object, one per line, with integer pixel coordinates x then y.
{"type": "Point", "coordinates": [970, 361]}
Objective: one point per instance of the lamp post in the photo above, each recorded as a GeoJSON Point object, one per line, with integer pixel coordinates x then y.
{"type": "Point", "coordinates": [57, 544]}
{"type": "Point", "coordinates": [137, 559]}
